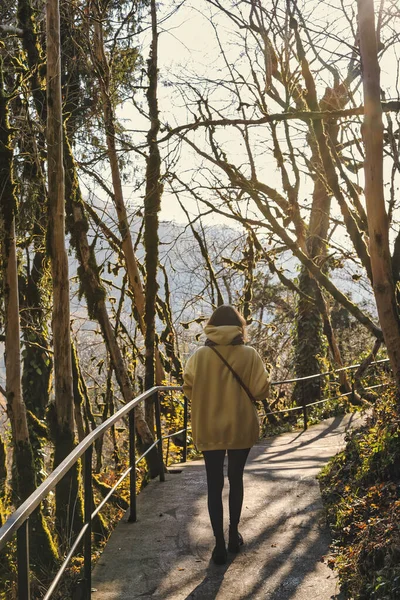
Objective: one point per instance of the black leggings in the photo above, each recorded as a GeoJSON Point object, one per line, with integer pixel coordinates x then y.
{"type": "Point", "coordinates": [214, 460]}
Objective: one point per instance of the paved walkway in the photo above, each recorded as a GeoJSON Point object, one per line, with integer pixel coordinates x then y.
{"type": "Point", "coordinates": [166, 554]}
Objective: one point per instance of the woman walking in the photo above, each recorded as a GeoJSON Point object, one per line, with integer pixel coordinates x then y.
{"type": "Point", "coordinates": [223, 379]}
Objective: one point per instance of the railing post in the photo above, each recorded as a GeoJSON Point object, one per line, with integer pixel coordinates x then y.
{"type": "Point", "coordinates": [132, 464]}
{"type": "Point", "coordinates": [159, 436]}
{"type": "Point", "coordinates": [23, 561]}
{"type": "Point", "coordinates": [305, 417]}
{"type": "Point", "coordinates": [304, 399]}
{"type": "Point", "coordinates": [185, 424]}
{"type": "Point", "coordinates": [304, 403]}
{"type": "Point", "coordinates": [88, 508]}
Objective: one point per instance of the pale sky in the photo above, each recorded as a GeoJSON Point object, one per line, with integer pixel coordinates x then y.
{"type": "Point", "coordinates": [187, 43]}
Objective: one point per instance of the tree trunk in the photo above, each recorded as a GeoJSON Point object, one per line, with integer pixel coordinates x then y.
{"type": "Point", "coordinates": [37, 361]}
{"type": "Point", "coordinates": [134, 276]}
{"type": "Point", "coordinates": [25, 480]}
{"type": "Point", "coordinates": [152, 205]}
{"type": "Point", "coordinates": [78, 395]}
{"type": "Point", "coordinates": [378, 224]}
{"type": "Point", "coordinates": [24, 472]}
{"type": "Point", "coordinates": [63, 417]}
{"type": "Point", "coordinates": [309, 348]}
{"type": "Point", "coordinates": [3, 467]}
{"type": "Point", "coordinates": [309, 340]}
{"type": "Point", "coordinates": [26, 20]}
{"type": "Point", "coordinates": [15, 406]}
{"type": "Point", "coordinates": [59, 260]}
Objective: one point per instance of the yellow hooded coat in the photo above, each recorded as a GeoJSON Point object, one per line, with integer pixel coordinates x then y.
{"type": "Point", "coordinates": [223, 416]}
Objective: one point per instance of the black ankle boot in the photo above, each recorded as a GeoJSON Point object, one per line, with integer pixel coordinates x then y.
{"type": "Point", "coordinates": [235, 540]}
{"type": "Point", "coordinates": [219, 554]}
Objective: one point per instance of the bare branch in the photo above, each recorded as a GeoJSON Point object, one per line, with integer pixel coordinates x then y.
{"type": "Point", "coordinates": [305, 115]}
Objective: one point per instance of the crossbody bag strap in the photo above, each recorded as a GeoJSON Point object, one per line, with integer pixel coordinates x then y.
{"type": "Point", "coordinates": [236, 376]}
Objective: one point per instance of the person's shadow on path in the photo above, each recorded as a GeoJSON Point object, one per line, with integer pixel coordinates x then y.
{"type": "Point", "coordinates": [208, 589]}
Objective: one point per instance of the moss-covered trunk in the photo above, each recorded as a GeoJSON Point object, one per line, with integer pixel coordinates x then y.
{"type": "Point", "coordinates": [68, 499]}
{"type": "Point", "coordinates": [78, 394]}
{"type": "Point", "coordinates": [168, 336]}
{"type": "Point", "coordinates": [313, 316]}
{"type": "Point", "coordinates": [8, 202]}
{"type": "Point", "coordinates": [3, 467]}
{"type": "Point", "coordinates": [152, 205]}
{"type": "Point", "coordinates": [37, 357]}
{"type": "Point", "coordinates": [35, 57]}
{"type": "Point", "coordinates": [24, 474]}
{"type": "Point", "coordinates": [309, 348]}
{"type": "Point", "coordinates": [61, 420]}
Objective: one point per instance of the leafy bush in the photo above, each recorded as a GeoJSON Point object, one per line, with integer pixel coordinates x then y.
{"type": "Point", "coordinates": [361, 490]}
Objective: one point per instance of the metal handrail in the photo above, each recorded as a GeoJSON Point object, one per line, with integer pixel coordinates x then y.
{"type": "Point", "coordinates": [305, 406]}
{"type": "Point", "coordinates": [285, 410]}
{"type": "Point", "coordinates": [350, 367]}
{"type": "Point", "coordinates": [18, 521]}
{"type": "Point", "coordinates": [31, 503]}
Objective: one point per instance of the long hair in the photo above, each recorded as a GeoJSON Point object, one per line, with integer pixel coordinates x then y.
{"type": "Point", "coordinates": [227, 315]}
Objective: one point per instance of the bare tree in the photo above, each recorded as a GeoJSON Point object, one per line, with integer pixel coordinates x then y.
{"type": "Point", "coordinates": [378, 223]}
{"type": "Point", "coordinates": [284, 62]}
{"type": "Point", "coordinates": [63, 418]}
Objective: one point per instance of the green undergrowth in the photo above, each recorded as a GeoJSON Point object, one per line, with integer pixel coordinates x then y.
{"type": "Point", "coordinates": [361, 493]}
